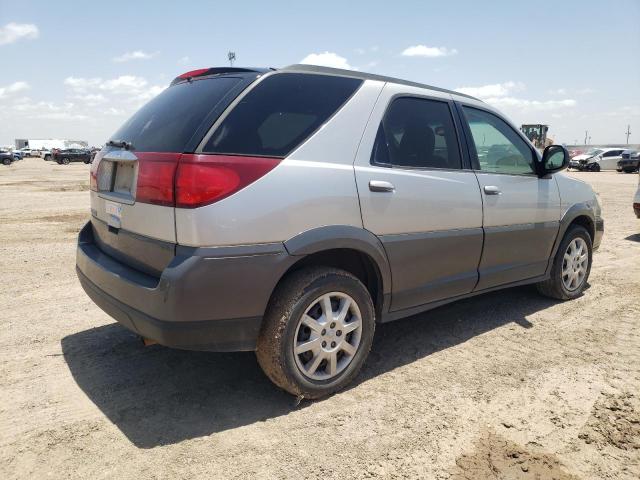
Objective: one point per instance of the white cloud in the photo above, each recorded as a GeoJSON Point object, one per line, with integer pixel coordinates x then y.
{"type": "Point", "coordinates": [124, 84]}
{"type": "Point", "coordinates": [492, 90]}
{"type": "Point", "coordinates": [327, 59]}
{"type": "Point", "coordinates": [12, 88]}
{"type": "Point", "coordinates": [428, 52]}
{"type": "Point", "coordinates": [81, 84]}
{"type": "Point", "coordinates": [91, 99]}
{"type": "Point", "coordinates": [501, 95]}
{"type": "Point", "coordinates": [12, 32]}
{"type": "Point", "coordinates": [558, 91]}
{"type": "Point", "coordinates": [135, 55]}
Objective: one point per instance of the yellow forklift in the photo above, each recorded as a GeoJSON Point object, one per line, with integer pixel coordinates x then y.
{"type": "Point", "coordinates": [537, 134]}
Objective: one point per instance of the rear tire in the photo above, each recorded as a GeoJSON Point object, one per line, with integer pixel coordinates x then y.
{"type": "Point", "coordinates": [572, 261]}
{"type": "Point", "coordinates": [306, 351]}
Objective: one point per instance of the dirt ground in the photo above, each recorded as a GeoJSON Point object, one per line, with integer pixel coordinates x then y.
{"type": "Point", "coordinates": [505, 385]}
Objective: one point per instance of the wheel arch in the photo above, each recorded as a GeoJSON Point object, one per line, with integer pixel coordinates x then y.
{"type": "Point", "coordinates": [578, 214]}
{"type": "Point", "coordinates": [353, 249]}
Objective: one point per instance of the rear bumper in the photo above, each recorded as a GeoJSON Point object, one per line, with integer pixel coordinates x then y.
{"type": "Point", "coordinates": [205, 299]}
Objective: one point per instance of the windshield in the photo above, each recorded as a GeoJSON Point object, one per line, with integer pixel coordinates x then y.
{"type": "Point", "coordinates": [167, 123]}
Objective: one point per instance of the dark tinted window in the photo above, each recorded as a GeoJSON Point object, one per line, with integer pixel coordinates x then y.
{"type": "Point", "coordinates": [417, 133]}
{"type": "Point", "coordinates": [499, 148]}
{"type": "Point", "coordinates": [280, 113]}
{"type": "Point", "coordinates": [167, 122]}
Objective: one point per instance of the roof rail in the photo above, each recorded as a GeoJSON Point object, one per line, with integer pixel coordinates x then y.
{"type": "Point", "coordinates": [367, 76]}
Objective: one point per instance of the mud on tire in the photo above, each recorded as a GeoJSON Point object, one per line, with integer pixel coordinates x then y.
{"type": "Point", "coordinates": [292, 299]}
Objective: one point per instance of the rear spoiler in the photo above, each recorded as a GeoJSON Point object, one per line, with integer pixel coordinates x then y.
{"type": "Point", "coordinates": [202, 72]}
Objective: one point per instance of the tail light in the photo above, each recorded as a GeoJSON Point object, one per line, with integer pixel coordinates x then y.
{"type": "Point", "coordinates": [205, 179]}
{"type": "Point", "coordinates": [156, 173]}
{"type": "Point", "coordinates": [191, 181]}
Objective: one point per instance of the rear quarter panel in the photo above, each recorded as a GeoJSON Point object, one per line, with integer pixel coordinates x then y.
{"type": "Point", "coordinates": [313, 187]}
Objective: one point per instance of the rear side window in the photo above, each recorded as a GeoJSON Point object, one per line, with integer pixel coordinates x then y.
{"type": "Point", "coordinates": [167, 123]}
{"type": "Point", "coordinates": [280, 113]}
{"type": "Point", "coordinates": [417, 133]}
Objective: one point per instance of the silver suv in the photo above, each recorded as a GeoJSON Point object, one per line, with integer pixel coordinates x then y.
{"type": "Point", "coordinates": [289, 211]}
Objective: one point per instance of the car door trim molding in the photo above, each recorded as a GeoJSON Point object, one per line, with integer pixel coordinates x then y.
{"type": "Point", "coordinates": [421, 269]}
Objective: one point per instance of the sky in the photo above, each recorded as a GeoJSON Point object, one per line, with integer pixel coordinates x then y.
{"type": "Point", "coordinates": [78, 70]}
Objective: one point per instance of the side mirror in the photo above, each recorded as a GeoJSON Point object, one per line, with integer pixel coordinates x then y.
{"type": "Point", "coordinates": [554, 159]}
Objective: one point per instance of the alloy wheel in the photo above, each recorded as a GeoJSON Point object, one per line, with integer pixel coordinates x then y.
{"type": "Point", "coordinates": [327, 336]}
{"type": "Point", "coordinates": [575, 264]}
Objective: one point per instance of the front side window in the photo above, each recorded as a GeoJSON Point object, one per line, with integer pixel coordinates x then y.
{"type": "Point", "coordinates": [499, 148]}
{"type": "Point", "coordinates": [417, 133]}
{"type": "Point", "coordinates": [280, 113]}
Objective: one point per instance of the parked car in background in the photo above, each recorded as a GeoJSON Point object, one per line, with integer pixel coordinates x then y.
{"type": "Point", "coordinates": [45, 154]}
{"type": "Point", "coordinates": [26, 151]}
{"type": "Point", "coordinates": [17, 154]}
{"type": "Point", "coordinates": [68, 155]}
{"type": "Point", "coordinates": [597, 159]}
{"type": "Point", "coordinates": [6, 158]}
{"type": "Point", "coordinates": [246, 209]}
{"type": "Point", "coordinates": [573, 153]}
{"type": "Point", "coordinates": [636, 199]}
{"type": "Point", "coordinates": [629, 161]}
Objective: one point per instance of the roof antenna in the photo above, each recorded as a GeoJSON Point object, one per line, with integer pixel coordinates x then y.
{"type": "Point", "coordinates": [232, 57]}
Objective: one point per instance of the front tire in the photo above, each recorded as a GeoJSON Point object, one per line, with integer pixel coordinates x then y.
{"type": "Point", "coordinates": [317, 332]}
{"type": "Point", "coordinates": [6, 161]}
{"type": "Point", "coordinates": [66, 161]}
{"type": "Point", "coordinates": [571, 266]}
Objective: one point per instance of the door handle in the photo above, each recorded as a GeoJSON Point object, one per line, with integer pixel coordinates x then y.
{"type": "Point", "coordinates": [492, 190]}
{"type": "Point", "coordinates": [381, 186]}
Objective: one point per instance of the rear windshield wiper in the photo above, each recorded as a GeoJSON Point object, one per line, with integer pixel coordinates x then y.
{"type": "Point", "coordinates": [120, 143]}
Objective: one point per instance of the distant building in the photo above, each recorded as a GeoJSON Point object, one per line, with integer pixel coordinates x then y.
{"type": "Point", "coordinates": [49, 143]}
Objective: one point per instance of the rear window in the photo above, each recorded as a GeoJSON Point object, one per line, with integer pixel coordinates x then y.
{"type": "Point", "coordinates": [280, 113]}
{"type": "Point", "coordinates": [167, 123]}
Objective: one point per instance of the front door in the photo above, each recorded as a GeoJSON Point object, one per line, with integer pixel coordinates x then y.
{"type": "Point", "coordinates": [418, 199]}
{"type": "Point", "coordinates": [521, 210]}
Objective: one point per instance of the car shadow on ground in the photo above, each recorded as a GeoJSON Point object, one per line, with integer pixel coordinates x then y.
{"type": "Point", "coordinates": [634, 237]}
{"type": "Point", "coordinates": [159, 396]}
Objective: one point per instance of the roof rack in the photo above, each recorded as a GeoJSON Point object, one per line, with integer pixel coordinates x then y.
{"type": "Point", "coordinates": [367, 76]}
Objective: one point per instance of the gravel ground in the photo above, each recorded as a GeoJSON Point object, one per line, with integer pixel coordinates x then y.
{"type": "Point", "coordinates": [505, 385]}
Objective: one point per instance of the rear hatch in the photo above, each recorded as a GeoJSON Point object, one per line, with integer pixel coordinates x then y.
{"type": "Point", "coordinates": [132, 177]}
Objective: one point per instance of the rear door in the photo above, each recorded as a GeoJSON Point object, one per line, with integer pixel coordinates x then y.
{"type": "Point", "coordinates": [417, 196]}
{"type": "Point", "coordinates": [521, 210]}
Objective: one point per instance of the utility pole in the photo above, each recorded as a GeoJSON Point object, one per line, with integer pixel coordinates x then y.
{"type": "Point", "coordinates": [628, 132]}
{"type": "Point", "coordinates": [232, 58]}
{"type": "Point", "coordinates": [586, 134]}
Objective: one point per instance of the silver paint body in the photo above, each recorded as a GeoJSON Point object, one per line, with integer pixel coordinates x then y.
{"type": "Point", "coordinates": [451, 231]}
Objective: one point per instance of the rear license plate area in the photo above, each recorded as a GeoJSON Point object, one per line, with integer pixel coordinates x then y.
{"type": "Point", "coordinates": [117, 180]}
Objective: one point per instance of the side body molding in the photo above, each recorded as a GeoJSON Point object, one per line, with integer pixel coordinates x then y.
{"type": "Point", "coordinates": [344, 236]}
